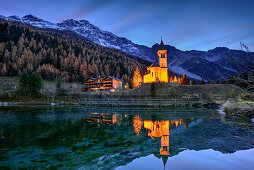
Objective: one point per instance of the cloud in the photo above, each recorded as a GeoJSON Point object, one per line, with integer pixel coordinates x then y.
{"type": "Point", "coordinates": [89, 7]}
{"type": "Point", "coordinates": [128, 21]}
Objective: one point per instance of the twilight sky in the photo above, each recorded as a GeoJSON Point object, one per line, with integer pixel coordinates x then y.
{"type": "Point", "coordinates": [185, 24]}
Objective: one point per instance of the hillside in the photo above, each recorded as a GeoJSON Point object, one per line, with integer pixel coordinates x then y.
{"type": "Point", "coordinates": [215, 64]}
{"type": "Point", "coordinates": [24, 48]}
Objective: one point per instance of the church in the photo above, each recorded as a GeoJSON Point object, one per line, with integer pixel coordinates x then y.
{"type": "Point", "coordinates": [158, 73]}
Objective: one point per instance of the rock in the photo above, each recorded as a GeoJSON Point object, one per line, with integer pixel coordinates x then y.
{"type": "Point", "coordinates": [5, 104]}
{"type": "Point", "coordinates": [52, 104]}
{"type": "Point", "coordinates": [124, 152]}
{"type": "Point", "coordinates": [1, 104]}
{"type": "Point", "coordinates": [252, 120]}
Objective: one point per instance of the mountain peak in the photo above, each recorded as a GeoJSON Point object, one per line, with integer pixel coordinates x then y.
{"type": "Point", "coordinates": [219, 49]}
{"type": "Point", "coordinates": [31, 18]}
{"type": "Point", "coordinates": [14, 18]}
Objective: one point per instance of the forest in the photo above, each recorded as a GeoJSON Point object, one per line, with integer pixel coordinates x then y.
{"type": "Point", "coordinates": [24, 48]}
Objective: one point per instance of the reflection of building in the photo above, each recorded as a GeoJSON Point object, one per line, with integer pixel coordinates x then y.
{"type": "Point", "coordinates": [157, 129]}
{"type": "Point", "coordinates": [158, 73]}
{"type": "Point", "coordinates": [102, 83]}
{"type": "Point", "coordinates": [103, 118]}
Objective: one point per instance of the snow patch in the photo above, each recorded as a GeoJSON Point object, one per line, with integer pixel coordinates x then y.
{"type": "Point", "coordinates": [180, 70]}
{"type": "Point", "coordinates": [221, 112]}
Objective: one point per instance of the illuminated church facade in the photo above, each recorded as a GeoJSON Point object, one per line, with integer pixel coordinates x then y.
{"type": "Point", "coordinates": [158, 73]}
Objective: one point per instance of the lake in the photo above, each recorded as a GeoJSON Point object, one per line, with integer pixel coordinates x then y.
{"type": "Point", "coordinates": [123, 138]}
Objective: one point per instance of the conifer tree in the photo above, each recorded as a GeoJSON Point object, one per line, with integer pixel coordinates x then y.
{"type": "Point", "coordinates": [4, 71]}
{"type": "Point", "coordinates": [137, 78]}
{"type": "Point", "coordinates": [202, 82]}
{"type": "Point", "coordinates": [193, 82]}
{"type": "Point", "coordinates": [223, 81]}
{"type": "Point", "coordinates": [24, 83]}
{"type": "Point", "coordinates": [185, 80]}
{"type": "Point", "coordinates": [35, 83]}
{"type": "Point", "coordinates": [153, 90]}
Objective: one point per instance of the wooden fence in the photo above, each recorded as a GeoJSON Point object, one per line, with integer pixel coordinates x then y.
{"type": "Point", "coordinates": [145, 102]}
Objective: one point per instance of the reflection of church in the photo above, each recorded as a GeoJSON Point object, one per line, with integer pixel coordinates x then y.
{"type": "Point", "coordinates": [157, 129]}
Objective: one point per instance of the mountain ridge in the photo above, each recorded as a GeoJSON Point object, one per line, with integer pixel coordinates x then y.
{"type": "Point", "coordinates": [204, 63]}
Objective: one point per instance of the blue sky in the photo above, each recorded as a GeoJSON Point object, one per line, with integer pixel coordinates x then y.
{"type": "Point", "coordinates": [185, 24]}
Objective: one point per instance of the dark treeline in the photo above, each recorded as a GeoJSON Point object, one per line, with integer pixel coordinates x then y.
{"type": "Point", "coordinates": [28, 49]}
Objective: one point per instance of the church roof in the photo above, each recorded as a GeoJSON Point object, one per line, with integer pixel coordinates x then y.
{"type": "Point", "coordinates": [162, 46]}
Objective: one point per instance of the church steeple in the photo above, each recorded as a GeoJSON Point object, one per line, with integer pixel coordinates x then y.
{"type": "Point", "coordinates": [162, 53]}
{"type": "Point", "coordinates": [162, 46]}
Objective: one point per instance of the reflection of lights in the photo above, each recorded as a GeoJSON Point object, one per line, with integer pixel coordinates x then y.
{"type": "Point", "coordinates": [137, 124]}
{"type": "Point", "coordinates": [157, 129]}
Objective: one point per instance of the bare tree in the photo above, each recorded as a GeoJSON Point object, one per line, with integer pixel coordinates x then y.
{"type": "Point", "coordinates": [246, 68]}
{"type": "Point", "coordinates": [243, 80]}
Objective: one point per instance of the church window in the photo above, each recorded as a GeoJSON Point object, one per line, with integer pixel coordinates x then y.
{"type": "Point", "coordinates": [165, 148]}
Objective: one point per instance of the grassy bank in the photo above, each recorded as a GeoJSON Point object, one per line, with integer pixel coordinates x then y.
{"type": "Point", "coordinates": [235, 109]}
{"type": "Point", "coordinates": [210, 93]}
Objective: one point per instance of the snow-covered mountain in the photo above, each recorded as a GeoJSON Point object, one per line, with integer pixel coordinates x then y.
{"type": "Point", "coordinates": [213, 64]}
{"type": "Point", "coordinates": [89, 31]}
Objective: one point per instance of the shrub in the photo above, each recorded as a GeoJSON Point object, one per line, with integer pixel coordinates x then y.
{"type": "Point", "coordinates": [153, 90]}
{"type": "Point", "coordinates": [202, 82]}
{"type": "Point", "coordinates": [30, 85]}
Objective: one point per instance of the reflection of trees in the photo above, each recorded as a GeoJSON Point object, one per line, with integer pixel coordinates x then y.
{"type": "Point", "coordinates": [187, 122]}
{"type": "Point", "coordinates": [137, 124]}
{"type": "Point", "coordinates": [48, 135]}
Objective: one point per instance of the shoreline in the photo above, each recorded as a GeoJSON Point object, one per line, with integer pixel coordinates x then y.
{"type": "Point", "coordinates": [142, 103]}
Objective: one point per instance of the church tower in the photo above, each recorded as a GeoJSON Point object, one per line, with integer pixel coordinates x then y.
{"type": "Point", "coordinates": [163, 63]}
{"type": "Point", "coordinates": [158, 73]}
{"type": "Point", "coordinates": [162, 53]}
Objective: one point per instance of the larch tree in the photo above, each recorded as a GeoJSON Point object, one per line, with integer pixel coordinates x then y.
{"type": "Point", "coordinates": [4, 70]}
{"type": "Point", "coordinates": [202, 82]}
{"type": "Point", "coordinates": [185, 80]}
{"type": "Point", "coordinates": [137, 78]}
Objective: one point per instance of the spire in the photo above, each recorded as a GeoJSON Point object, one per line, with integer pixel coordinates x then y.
{"type": "Point", "coordinates": [161, 46]}
{"type": "Point", "coordinates": [164, 159]}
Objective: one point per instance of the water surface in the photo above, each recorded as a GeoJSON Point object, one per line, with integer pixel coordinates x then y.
{"type": "Point", "coordinates": [108, 138]}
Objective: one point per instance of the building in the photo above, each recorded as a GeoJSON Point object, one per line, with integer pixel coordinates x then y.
{"type": "Point", "coordinates": [103, 83]}
{"type": "Point", "coordinates": [158, 73]}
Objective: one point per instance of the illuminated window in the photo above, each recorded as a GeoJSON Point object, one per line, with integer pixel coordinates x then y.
{"type": "Point", "coordinates": [165, 148]}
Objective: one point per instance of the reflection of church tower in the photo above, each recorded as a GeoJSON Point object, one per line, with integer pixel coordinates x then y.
{"type": "Point", "coordinates": [164, 159]}
{"type": "Point", "coordinates": [164, 150]}
{"type": "Point", "coordinates": [159, 129]}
